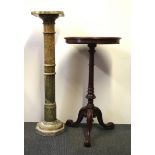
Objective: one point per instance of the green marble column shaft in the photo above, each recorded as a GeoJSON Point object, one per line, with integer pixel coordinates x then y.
{"type": "Point", "coordinates": [49, 69]}
{"type": "Point", "coordinates": [50, 125]}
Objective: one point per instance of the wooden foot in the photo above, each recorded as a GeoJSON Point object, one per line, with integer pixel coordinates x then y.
{"type": "Point", "coordinates": [87, 142]}
{"type": "Point", "coordinates": [98, 113]}
{"type": "Point", "coordinates": [81, 114]}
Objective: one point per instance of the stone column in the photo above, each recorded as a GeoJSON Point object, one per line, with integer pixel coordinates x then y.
{"type": "Point", "coordinates": [50, 125]}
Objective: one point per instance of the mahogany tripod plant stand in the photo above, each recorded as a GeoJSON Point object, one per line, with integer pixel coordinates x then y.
{"type": "Point", "coordinates": [90, 111]}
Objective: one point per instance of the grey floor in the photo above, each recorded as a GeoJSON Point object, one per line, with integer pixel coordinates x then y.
{"type": "Point", "coordinates": [104, 142]}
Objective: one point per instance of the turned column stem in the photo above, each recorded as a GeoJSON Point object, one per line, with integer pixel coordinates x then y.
{"type": "Point", "coordinates": [49, 67]}
{"type": "Point", "coordinates": [90, 96]}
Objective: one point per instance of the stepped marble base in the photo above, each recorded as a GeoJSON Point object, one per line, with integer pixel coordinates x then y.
{"type": "Point", "coordinates": [50, 128]}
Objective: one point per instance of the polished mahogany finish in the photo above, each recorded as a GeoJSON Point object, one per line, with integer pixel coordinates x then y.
{"type": "Point", "coordinates": [90, 111]}
{"type": "Point", "coordinates": [92, 40]}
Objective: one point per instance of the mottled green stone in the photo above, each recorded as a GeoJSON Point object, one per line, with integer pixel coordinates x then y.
{"type": "Point", "coordinates": [49, 89]}
{"type": "Point", "coordinates": [50, 125]}
{"type": "Point", "coordinates": [50, 112]}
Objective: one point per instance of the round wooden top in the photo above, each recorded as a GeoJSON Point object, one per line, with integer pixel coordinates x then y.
{"type": "Point", "coordinates": [92, 40]}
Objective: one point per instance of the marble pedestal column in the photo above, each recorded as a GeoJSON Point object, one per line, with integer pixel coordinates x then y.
{"type": "Point", "coordinates": [50, 125]}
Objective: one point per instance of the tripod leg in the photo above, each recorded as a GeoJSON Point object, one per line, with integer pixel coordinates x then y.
{"type": "Point", "coordinates": [98, 113]}
{"type": "Point", "coordinates": [87, 142]}
{"type": "Point", "coordinates": [81, 114]}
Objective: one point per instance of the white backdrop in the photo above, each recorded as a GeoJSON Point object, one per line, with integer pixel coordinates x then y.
{"type": "Point", "coordinates": [112, 62]}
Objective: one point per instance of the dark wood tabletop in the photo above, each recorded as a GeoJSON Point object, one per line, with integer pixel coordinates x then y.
{"type": "Point", "coordinates": [92, 40]}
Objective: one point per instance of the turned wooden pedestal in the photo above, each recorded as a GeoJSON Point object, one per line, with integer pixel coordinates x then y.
{"type": "Point", "coordinates": [90, 111]}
